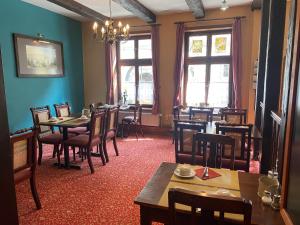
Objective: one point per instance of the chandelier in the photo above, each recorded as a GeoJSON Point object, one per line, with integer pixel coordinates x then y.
{"type": "Point", "coordinates": [109, 32]}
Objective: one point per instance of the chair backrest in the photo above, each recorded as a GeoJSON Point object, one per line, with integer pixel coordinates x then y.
{"type": "Point", "coordinates": [177, 111]}
{"type": "Point", "coordinates": [95, 106]}
{"type": "Point", "coordinates": [183, 135]}
{"type": "Point", "coordinates": [201, 113]}
{"type": "Point", "coordinates": [137, 112]}
{"type": "Point", "coordinates": [208, 204]}
{"type": "Point", "coordinates": [97, 124]}
{"type": "Point", "coordinates": [235, 116]}
{"type": "Point", "coordinates": [62, 110]}
{"type": "Point", "coordinates": [23, 147]}
{"type": "Point", "coordinates": [242, 135]}
{"type": "Point", "coordinates": [214, 142]}
{"type": "Point", "coordinates": [41, 114]}
{"type": "Point", "coordinates": [112, 116]}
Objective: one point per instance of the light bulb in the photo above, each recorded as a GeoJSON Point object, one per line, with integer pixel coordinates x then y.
{"type": "Point", "coordinates": [224, 6]}
{"type": "Point", "coordinates": [120, 24]}
{"type": "Point", "coordinates": [95, 26]}
{"type": "Point", "coordinates": [102, 30]}
{"type": "Point", "coordinates": [127, 26]}
{"type": "Point", "coordinates": [115, 31]}
{"type": "Point", "coordinates": [107, 23]}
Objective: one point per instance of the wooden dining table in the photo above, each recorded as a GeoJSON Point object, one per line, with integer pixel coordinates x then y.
{"type": "Point", "coordinates": [153, 204]}
{"type": "Point", "coordinates": [64, 124]}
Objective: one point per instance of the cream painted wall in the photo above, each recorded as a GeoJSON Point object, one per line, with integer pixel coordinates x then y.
{"type": "Point", "coordinates": [94, 63]}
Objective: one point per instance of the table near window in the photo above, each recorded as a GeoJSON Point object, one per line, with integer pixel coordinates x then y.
{"type": "Point", "coordinates": [153, 200]}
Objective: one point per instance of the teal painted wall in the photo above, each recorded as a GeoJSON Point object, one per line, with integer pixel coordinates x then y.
{"type": "Point", "coordinates": [23, 93]}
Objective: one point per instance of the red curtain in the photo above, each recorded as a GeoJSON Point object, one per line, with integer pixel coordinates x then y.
{"type": "Point", "coordinates": [111, 73]}
{"type": "Point", "coordinates": [236, 62]}
{"type": "Point", "coordinates": [155, 66]}
{"type": "Point", "coordinates": [179, 64]}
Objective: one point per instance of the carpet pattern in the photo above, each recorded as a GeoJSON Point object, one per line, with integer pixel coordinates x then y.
{"type": "Point", "coordinates": [105, 197]}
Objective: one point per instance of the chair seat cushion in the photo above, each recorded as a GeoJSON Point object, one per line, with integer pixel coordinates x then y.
{"type": "Point", "coordinates": [22, 175]}
{"type": "Point", "coordinates": [82, 141]}
{"type": "Point", "coordinates": [78, 130]}
{"type": "Point", "coordinates": [56, 138]}
{"type": "Point", "coordinates": [187, 158]}
{"type": "Point", "coordinates": [238, 164]}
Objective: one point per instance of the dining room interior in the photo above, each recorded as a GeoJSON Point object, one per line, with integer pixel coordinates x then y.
{"type": "Point", "coordinates": [126, 112]}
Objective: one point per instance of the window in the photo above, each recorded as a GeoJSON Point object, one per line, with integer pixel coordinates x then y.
{"type": "Point", "coordinates": [135, 71]}
{"type": "Point", "coordinates": [208, 78]}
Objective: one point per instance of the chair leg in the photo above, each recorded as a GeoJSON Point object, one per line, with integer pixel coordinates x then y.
{"type": "Point", "coordinates": [40, 153]}
{"type": "Point", "coordinates": [141, 130]}
{"type": "Point", "coordinates": [105, 150]}
{"type": "Point", "coordinates": [74, 153]}
{"type": "Point", "coordinates": [122, 135]}
{"type": "Point", "coordinates": [88, 152]}
{"type": "Point", "coordinates": [136, 131]}
{"type": "Point", "coordinates": [101, 154]}
{"type": "Point", "coordinates": [34, 192]}
{"type": "Point", "coordinates": [56, 151]}
{"type": "Point", "coordinates": [115, 145]}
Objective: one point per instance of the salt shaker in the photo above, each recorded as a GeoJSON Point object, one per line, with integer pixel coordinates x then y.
{"type": "Point", "coordinates": [276, 202]}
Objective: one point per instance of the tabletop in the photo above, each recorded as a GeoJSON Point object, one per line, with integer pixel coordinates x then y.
{"type": "Point", "coordinates": [68, 122]}
{"type": "Point", "coordinates": [152, 193]}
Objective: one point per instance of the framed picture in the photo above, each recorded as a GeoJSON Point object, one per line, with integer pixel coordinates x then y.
{"type": "Point", "coordinates": [38, 57]}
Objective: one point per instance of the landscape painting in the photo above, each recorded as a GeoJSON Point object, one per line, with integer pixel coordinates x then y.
{"type": "Point", "coordinates": [37, 57]}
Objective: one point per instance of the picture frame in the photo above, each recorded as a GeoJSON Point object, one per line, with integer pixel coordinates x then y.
{"type": "Point", "coordinates": [38, 57]}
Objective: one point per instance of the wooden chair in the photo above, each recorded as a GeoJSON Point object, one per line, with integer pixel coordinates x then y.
{"type": "Point", "coordinates": [133, 121]}
{"type": "Point", "coordinates": [23, 147]}
{"type": "Point", "coordinates": [86, 142]}
{"type": "Point", "coordinates": [176, 116]}
{"type": "Point", "coordinates": [235, 116]}
{"type": "Point", "coordinates": [201, 113]}
{"type": "Point", "coordinates": [95, 106]}
{"type": "Point", "coordinates": [184, 130]}
{"type": "Point", "coordinates": [64, 110]}
{"type": "Point", "coordinates": [242, 135]}
{"type": "Point", "coordinates": [211, 145]}
{"type": "Point", "coordinates": [208, 204]}
{"type": "Point", "coordinates": [111, 129]}
{"type": "Point", "coordinates": [45, 134]}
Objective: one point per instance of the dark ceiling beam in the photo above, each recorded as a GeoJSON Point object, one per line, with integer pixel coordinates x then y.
{"type": "Point", "coordinates": [80, 9]}
{"type": "Point", "coordinates": [137, 9]}
{"type": "Point", "coordinates": [256, 5]}
{"type": "Point", "coordinates": [196, 6]}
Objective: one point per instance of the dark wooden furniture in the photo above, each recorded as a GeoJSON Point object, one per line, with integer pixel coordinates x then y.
{"type": "Point", "coordinates": [216, 143]}
{"type": "Point", "coordinates": [176, 116]}
{"type": "Point", "coordinates": [72, 122]}
{"type": "Point", "coordinates": [242, 136]}
{"type": "Point", "coordinates": [64, 110]}
{"type": "Point", "coordinates": [150, 210]}
{"type": "Point", "coordinates": [208, 205]}
{"type": "Point", "coordinates": [277, 157]}
{"type": "Point", "coordinates": [23, 149]}
{"type": "Point", "coordinates": [95, 106]}
{"type": "Point", "coordinates": [201, 113]}
{"type": "Point", "coordinates": [111, 129]}
{"type": "Point", "coordinates": [134, 121]}
{"type": "Point", "coordinates": [45, 134]}
{"type": "Point", "coordinates": [183, 146]}
{"type": "Point", "coordinates": [86, 142]}
{"type": "Point", "coordinates": [237, 116]}
{"type": "Point", "coordinates": [8, 205]}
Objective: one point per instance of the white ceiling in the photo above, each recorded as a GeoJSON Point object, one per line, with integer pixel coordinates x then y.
{"type": "Point", "coordinates": [157, 6]}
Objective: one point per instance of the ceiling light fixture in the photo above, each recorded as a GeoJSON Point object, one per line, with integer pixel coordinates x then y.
{"type": "Point", "coordinates": [110, 33]}
{"type": "Point", "coordinates": [224, 5]}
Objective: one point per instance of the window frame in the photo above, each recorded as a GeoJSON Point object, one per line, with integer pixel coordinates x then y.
{"type": "Point", "coordinates": [207, 60]}
{"type": "Point", "coordinates": [136, 62]}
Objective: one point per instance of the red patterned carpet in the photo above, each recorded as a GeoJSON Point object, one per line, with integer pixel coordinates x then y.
{"type": "Point", "coordinates": [106, 197]}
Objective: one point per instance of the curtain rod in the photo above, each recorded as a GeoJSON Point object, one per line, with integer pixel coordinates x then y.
{"type": "Point", "coordinates": [199, 20]}
{"type": "Point", "coordinates": [147, 25]}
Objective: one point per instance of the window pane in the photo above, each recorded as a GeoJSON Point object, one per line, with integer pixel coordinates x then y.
{"type": "Point", "coordinates": [219, 85]}
{"type": "Point", "coordinates": [195, 93]}
{"type": "Point", "coordinates": [145, 50]}
{"type": "Point", "coordinates": [128, 83]}
{"type": "Point", "coordinates": [221, 45]}
{"type": "Point", "coordinates": [145, 85]}
{"type": "Point", "coordinates": [197, 46]}
{"type": "Point", "coordinates": [127, 49]}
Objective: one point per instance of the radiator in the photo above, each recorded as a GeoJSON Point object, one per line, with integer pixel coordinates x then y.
{"type": "Point", "coordinates": [148, 119]}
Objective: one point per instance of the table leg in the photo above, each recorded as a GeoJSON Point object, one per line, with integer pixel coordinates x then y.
{"type": "Point", "coordinates": [66, 150]}
{"type": "Point", "coordinates": [145, 219]}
